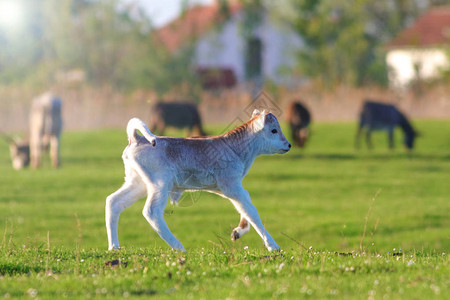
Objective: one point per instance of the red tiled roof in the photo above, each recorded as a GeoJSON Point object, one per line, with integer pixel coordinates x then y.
{"type": "Point", "coordinates": [193, 23]}
{"type": "Point", "coordinates": [432, 28]}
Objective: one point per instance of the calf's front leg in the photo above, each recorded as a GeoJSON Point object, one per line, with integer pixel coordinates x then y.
{"type": "Point", "coordinates": [243, 204]}
{"type": "Point", "coordinates": [243, 228]}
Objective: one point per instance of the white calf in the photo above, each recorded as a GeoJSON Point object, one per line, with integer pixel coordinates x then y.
{"type": "Point", "coordinates": [162, 167]}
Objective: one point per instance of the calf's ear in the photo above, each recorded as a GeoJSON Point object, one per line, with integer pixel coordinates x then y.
{"type": "Point", "coordinates": [259, 121]}
{"type": "Point", "coordinates": [255, 112]}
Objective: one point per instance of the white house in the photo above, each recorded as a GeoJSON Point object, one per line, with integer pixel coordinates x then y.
{"type": "Point", "coordinates": [225, 55]}
{"type": "Point", "coordinates": [421, 50]}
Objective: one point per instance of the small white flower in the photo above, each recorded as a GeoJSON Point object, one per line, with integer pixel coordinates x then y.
{"type": "Point", "coordinates": [435, 289]}
{"type": "Point", "coordinates": [32, 292]}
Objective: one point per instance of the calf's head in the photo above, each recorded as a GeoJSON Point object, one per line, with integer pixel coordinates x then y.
{"type": "Point", "coordinates": [269, 133]}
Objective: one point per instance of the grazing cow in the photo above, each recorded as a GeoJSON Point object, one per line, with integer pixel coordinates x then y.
{"type": "Point", "coordinates": [379, 116]}
{"type": "Point", "coordinates": [45, 132]}
{"type": "Point", "coordinates": [178, 115]}
{"type": "Point", "coordinates": [299, 119]}
{"type": "Point", "coordinates": [161, 167]}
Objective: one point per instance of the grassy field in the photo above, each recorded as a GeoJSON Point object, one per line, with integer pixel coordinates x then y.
{"type": "Point", "coordinates": [351, 224]}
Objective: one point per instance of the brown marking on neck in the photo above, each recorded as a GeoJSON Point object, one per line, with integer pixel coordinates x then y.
{"type": "Point", "coordinates": [199, 137]}
{"type": "Point", "coordinates": [238, 131]}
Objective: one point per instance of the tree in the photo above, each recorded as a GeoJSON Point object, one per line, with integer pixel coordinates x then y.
{"type": "Point", "coordinates": [345, 39]}
{"type": "Point", "coordinates": [112, 44]}
{"type": "Point", "coordinates": [337, 47]}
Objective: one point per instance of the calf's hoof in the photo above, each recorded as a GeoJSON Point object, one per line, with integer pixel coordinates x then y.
{"type": "Point", "coordinates": [273, 248]}
{"type": "Point", "coordinates": [235, 235]}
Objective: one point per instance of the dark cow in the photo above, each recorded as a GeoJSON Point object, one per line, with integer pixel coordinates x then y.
{"type": "Point", "coordinates": [299, 119]}
{"type": "Point", "coordinates": [379, 116]}
{"type": "Point", "coordinates": [178, 115]}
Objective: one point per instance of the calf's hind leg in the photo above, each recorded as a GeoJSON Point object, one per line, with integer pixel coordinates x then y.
{"type": "Point", "coordinates": [130, 192]}
{"type": "Point", "coordinates": [154, 214]}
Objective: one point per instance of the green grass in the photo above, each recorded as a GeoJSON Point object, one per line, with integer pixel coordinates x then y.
{"type": "Point", "coordinates": [315, 203]}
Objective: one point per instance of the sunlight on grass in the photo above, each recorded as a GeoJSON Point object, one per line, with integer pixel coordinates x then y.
{"type": "Point", "coordinates": [315, 203]}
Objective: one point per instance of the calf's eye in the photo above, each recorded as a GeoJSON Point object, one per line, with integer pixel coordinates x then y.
{"type": "Point", "coordinates": [274, 131]}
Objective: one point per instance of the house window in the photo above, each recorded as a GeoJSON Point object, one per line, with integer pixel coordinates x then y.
{"type": "Point", "coordinates": [253, 58]}
{"type": "Point", "coordinates": [212, 78]}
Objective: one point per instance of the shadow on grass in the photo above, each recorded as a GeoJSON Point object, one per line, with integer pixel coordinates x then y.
{"type": "Point", "coordinates": [367, 155]}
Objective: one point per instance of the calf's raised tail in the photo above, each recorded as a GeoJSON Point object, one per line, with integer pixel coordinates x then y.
{"type": "Point", "coordinates": [137, 124]}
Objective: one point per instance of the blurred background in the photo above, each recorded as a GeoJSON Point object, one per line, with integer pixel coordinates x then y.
{"type": "Point", "coordinates": [109, 60]}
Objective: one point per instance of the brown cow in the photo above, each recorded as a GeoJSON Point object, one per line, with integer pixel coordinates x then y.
{"type": "Point", "coordinates": [299, 119]}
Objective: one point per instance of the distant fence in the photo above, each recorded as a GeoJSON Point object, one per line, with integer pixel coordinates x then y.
{"type": "Point", "coordinates": [89, 108]}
